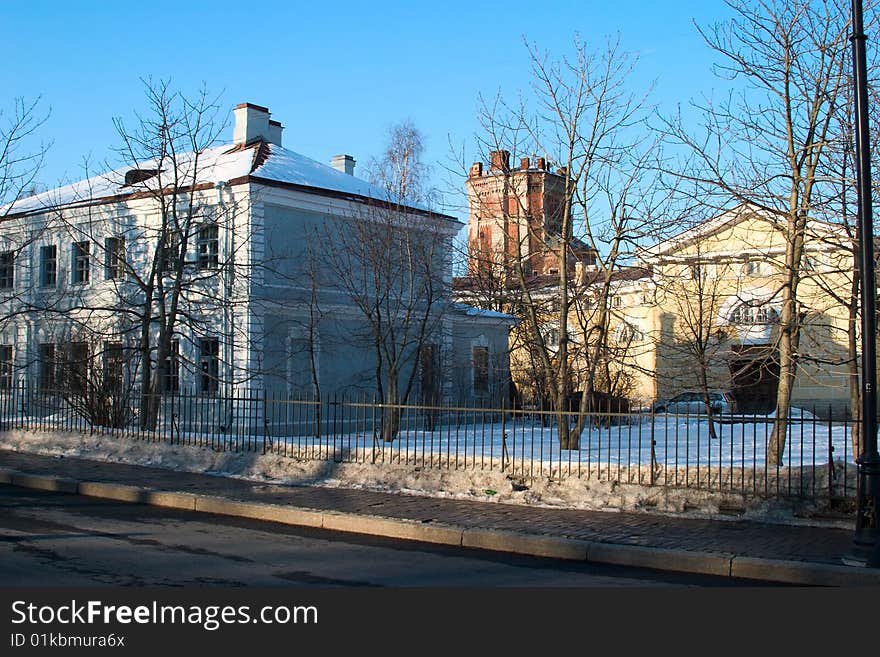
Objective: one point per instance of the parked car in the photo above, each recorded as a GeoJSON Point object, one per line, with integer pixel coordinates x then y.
{"type": "Point", "coordinates": [692, 403]}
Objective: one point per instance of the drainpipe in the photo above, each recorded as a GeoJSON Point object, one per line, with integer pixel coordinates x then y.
{"type": "Point", "coordinates": [228, 315]}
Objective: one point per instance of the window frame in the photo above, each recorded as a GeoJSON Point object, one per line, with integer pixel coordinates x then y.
{"type": "Point", "coordinates": [114, 366]}
{"type": "Point", "coordinates": [47, 374]}
{"type": "Point", "coordinates": [114, 257]}
{"type": "Point", "coordinates": [7, 270]}
{"type": "Point", "coordinates": [208, 246]}
{"type": "Point", "coordinates": [44, 269]}
{"type": "Point", "coordinates": [80, 263]}
{"type": "Point", "coordinates": [171, 370]}
{"type": "Point", "coordinates": [7, 363]}
{"type": "Point", "coordinates": [480, 370]}
{"type": "Point", "coordinates": [209, 365]}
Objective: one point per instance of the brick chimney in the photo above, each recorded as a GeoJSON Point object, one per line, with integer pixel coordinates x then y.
{"type": "Point", "coordinates": [252, 124]}
{"type": "Point", "coordinates": [476, 170]}
{"type": "Point", "coordinates": [343, 163]}
{"type": "Point", "coordinates": [499, 161]}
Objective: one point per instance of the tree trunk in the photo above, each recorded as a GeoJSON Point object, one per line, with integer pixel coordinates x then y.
{"type": "Point", "coordinates": [391, 410]}
{"type": "Point", "coordinates": [776, 447]}
{"type": "Point", "coordinates": [148, 408]}
{"type": "Point", "coordinates": [704, 388]}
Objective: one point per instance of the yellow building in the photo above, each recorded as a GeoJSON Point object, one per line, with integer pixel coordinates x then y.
{"type": "Point", "coordinates": [712, 302]}
{"type": "Point", "coordinates": [704, 302]}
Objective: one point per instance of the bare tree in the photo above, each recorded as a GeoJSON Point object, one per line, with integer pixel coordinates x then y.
{"type": "Point", "coordinates": [164, 250]}
{"type": "Point", "coordinates": [765, 143]}
{"type": "Point", "coordinates": [390, 260]}
{"type": "Point", "coordinates": [166, 149]}
{"type": "Point", "coordinates": [691, 288]}
{"type": "Point", "coordinates": [20, 159]}
{"type": "Point", "coordinates": [583, 116]}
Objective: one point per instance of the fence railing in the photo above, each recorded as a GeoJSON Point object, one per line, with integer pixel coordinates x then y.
{"type": "Point", "coordinates": [646, 448]}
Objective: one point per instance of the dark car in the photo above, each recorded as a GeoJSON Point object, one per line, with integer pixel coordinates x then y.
{"type": "Point", "coordinates": [692, 403]}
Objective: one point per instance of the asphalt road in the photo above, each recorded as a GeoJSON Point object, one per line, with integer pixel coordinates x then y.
{"type": "Point", "coordinates": [54, 539]}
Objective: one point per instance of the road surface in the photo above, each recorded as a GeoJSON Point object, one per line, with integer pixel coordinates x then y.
{"type": "Point", "coordinates": [55, 539]}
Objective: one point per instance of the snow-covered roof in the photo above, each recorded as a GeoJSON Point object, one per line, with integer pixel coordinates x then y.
{"type": "Point", "coordinates": [261, 160]}
{"type": "Point", "coordinates": [471, 311]}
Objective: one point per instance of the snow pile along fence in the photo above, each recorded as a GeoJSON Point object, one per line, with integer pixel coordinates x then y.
{"type": "Point", "coordinates": [644, 448]}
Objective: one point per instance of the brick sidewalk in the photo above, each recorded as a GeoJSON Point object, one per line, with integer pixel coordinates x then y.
{"type": "Point", "coordinates": [820, 545]}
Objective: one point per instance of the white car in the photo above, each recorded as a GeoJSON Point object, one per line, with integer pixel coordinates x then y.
{"type": "Point", "coordinates": [692, 403]}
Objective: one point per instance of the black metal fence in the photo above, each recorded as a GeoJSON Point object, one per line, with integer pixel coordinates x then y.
{"type": "Point", "coordinates": [649, 449]}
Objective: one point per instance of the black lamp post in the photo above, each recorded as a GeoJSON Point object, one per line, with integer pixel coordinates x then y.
{"type": "Point", "coordinates": [865, 549]}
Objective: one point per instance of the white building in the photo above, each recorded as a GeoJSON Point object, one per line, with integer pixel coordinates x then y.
{"type": "Point", "coordinates": [258, 310]}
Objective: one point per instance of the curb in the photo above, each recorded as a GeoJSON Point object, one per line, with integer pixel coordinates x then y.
{"type": "Point", "coordinates": [702, 563]}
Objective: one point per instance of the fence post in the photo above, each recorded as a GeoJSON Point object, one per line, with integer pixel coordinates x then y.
{"type": "Point", "coordinates": [653, 453]}
{"type": "Point", "coordinates": [503, 436]}
{"type": "Point", "coordinates": [373, 411]}
{"type": "Point", "coordinates": [832, 475]}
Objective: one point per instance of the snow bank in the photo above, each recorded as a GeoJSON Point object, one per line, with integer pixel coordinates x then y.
{"type": "Point", "coordinates": [596, 489]}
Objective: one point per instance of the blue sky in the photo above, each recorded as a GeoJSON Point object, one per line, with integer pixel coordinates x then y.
{"type": "Point", "coordinates": [337, 75]}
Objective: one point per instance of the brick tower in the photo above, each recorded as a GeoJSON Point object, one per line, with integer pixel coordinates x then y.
{"type": "Point", "coordinates": [517, 213]}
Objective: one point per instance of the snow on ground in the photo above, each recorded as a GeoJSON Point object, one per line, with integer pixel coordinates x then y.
{"type": "Point", "coordinates": [521, 464]}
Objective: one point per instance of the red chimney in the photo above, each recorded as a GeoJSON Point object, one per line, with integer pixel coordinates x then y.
{"type": "Point", "coordinates": [500, 161]}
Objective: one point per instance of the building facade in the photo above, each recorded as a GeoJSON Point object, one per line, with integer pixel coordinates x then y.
{"type": "Point", "coordinates": [243, 242]}
{"type": "Point", "coordinates": [704, 302]}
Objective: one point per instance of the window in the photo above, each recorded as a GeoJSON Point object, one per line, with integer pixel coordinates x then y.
{"type": "Point", "coordinates": [210, 365]}
{"type": "Point", "coordinates": [114, 357]}
{"type": "Point", "coordinates": [114, 257]}
{"type": "Point", "coordinates": [207, 246]}
{"type": "Point", "coordinates": [170, 255]}
{"type": "Point", "coordinates": [48, 265]}
{"type": "Point", "coordinates": [80, 263]}
{"type": "Point", "coordinates": [753, 268]}
{"type": "Point", "coordinates": [430, 374]}
{"type": "Point", "coordinates": [7, 270]}
{"type": "Point", "coordinates": [551, 337]}
{"type": "Point", "coordinates": [76, 369]}
{"type": "Point", "coordinates": [48, 366]}
{"type": "Point", "coordinates": [480, 357]}
{"type": "Point", "coordinates": [171, 369]}
{"type": "Point", "coordinates": [5, 367]}
{"type": "Point", "coordinates": [628, 333]}
{"type": "Point", "coordinates": [745, 314]}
